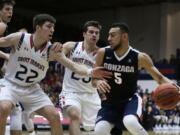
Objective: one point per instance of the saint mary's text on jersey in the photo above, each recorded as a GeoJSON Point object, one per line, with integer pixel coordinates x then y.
{"type": "Point", "coordinates": [83, 61]}
{"type": "Point", "coordinates": [31, 61]}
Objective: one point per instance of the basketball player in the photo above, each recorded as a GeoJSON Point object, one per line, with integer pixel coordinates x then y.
{"type": "Point", "coordinates": [28, 64]}
{"type": "Point", "coordinates": [122, 105]}
{"type": "Point", "coordinates": [6, 12]}
{"type": "Point", "coordinates": [79, 98]}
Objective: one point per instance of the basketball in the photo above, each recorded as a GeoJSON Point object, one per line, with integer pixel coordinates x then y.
{"type": "Point", "coordinates": [166, 96]}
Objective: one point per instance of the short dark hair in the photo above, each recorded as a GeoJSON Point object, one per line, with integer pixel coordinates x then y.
{"type": "Point", "coordinates": [40, 19]}
{"type": "Point", "coordinates": [8, 2]}
{"type": "Point", "coordinates": [91, 23]}
{"type": "Point", "coordinates": [124, 28]}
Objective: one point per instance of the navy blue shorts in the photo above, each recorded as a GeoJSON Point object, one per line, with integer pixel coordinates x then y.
{"type": "Point", "coordinates": [115, 113]}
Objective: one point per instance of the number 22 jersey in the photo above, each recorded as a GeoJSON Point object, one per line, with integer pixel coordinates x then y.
{"type": "Point", "coordinates": [26, 65]}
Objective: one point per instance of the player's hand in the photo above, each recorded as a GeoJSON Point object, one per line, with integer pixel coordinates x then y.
{"type": "Point", "coordinates": [57, 47]}
{"type": "Point", "coordinates": [178, 89]}
{"type": "Point", "coordinates": [100, 73]}
{"type": "Point", "coordinates": [56, 51]}
{"type": "Point", "coordinates": [103, 86]}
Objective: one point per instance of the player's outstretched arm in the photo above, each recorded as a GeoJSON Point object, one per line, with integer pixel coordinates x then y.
{"type": "Point", "coordinates": [97, 72]}
{"type": "Point", "coordinates": [80, 69]}
{"type": "Point", "coordinates": [10, 40]}
{"type": "Point", "coordinates": [4, 55]}
{"type": "Point", "coordinates": [146, 63]}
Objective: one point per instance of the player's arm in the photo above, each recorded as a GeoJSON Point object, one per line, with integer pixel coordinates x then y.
{"type": "Point", "coordinates": [57, 54]}
{"type": "Point", "coordinates": [4, 55]}
{"type": "Point", "coordinates": [68, 46]}
{"type": "Point", "coordinates": [146, 63]}
{"type": "Point", "coordinates": [2, 28]}
{"type": "Point", "coordinates": [10, 40]}
{"type": "Point", "coordinates": [100, 84]}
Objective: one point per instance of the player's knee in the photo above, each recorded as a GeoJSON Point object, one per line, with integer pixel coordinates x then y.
{"type": "Point", "coordinates": [54, 117]}
{"type": "Point", "coordinates": [5, 110]}
{"type": "Point", "coordinates": [73, 114]}
{"type": "Point", "coordinates": [129, 120]}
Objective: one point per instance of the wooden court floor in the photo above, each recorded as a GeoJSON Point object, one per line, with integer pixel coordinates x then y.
{"type": "Point", "coordinates": [66, 133]}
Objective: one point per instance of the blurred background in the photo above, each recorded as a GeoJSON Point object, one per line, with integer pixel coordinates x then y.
{"type": "Point", "coordinates": [154, 29]}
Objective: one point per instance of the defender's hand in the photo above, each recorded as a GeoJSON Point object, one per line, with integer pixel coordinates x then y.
{"type": "Point", "coordinates": [100, 73]}
{"type": "Point", "coordinates": [57, 47]}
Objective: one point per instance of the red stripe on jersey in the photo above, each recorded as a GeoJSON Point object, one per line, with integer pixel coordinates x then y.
{"type": "Point", "coordinates": [31, 41]}
{"type": "Point", "coordinates": [83, 46]}
{"type": "Point", "coordinates": [32, 44]}
{"type": "Point", "coordinates": [94, 53]}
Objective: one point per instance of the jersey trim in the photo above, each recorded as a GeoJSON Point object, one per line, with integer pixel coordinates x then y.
{"type": "Point", "coordinates": [122, 57]}
{"type": "Point", "coordinates": [75, 46]}
{"type": "Point", "coordinates": [20, 41]}
{"type": "Point", "coordinates": [32, 44]}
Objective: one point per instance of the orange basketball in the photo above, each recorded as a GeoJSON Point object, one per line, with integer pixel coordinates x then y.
{"type": "Point", "coordinates": [166, 96]}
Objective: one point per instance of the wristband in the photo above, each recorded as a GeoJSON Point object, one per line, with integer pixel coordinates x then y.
{"type": "Point", "coordinates": [89, 71]}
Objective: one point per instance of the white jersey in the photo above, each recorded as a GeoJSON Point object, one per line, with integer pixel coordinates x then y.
{"type": "Point", "coordinates": [73, 82]}
{"type": "Point", "coordinates": [27, 66]}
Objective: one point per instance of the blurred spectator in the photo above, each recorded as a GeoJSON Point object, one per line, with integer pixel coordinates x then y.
{"type": "Point", "coordinates": [172, 60]}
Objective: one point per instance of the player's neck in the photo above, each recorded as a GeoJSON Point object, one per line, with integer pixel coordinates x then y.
{"type": "Point", "coordinates": [89, 47]}
{"type": "Point", "coordinates": [38, 43]}
{"type": "Point", "coordinates": [121, 51]}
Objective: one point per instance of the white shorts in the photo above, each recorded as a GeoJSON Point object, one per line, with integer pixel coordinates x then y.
{"type": "Point", "coordinates": [32, 98]}
{"type": "Point", "coordinates": [87, 103]}
{"type": "Point", "coordinates": [2, 81]}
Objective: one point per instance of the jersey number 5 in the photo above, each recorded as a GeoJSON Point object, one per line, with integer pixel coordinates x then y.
{"type": "Point", "coordinates": [28, 79]}
{"type": "Point", "coordinates": [118, 78]}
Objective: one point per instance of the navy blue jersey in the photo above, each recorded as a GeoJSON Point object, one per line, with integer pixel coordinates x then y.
{"type": "Point", "coordinates": [125, 74]}
{"type": "Point", "coordinates": [4, 49]}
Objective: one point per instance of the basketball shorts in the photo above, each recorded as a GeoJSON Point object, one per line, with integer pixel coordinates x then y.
{"type": "Point", "coordinates": [32, 98]}
{"type": "Point", "coordinates": [88, 105]}
{"type": "Point", "coordinates": [114, 113]}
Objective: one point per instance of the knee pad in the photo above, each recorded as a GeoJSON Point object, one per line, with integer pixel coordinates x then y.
{"type": "Point", "coordinates": [132, 124]}
{"type": "Point", "coordinates": [129, 120]}
{"type": "Point", "coordinates": [103, 128]}
{"type": "Point", "coordinates": [27, 121]}
{"type": "Point", "coordinates": [16, 120]}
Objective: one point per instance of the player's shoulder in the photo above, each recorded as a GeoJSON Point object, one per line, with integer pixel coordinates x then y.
{"type": "Point", "coordinates": [69, 43]}
{"type": "Point", "coordinates": [144, 59]}
{"type": "Point", "coordinates": [143, 55]}
{"type": "Point", "coordinates": [69, 46]}
{"type": "Point", "coordinates": [101, 50]}
{"type": "Point", "coordinates": [2, 28]}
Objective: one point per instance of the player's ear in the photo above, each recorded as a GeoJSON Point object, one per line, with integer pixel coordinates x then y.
{"type": "Point", "coordinates": [125, 36]}
{"type": "Point", "coordinates": [37, 27]}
